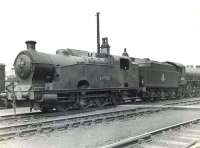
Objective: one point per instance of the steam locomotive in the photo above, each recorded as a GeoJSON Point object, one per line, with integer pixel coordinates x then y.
{"type": "Point", "coordinates": [80, 79]}
{"type": "Point", "coordinates": [74, 78]}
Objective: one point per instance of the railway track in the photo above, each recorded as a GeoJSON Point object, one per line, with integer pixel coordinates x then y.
{"type": "Point", "coordinates": [23, 118]}
{"type": "Point", "coordinates": [69, 122]}
{"type": "Point", "coordinates": [182, 135]}
{"type": "Point", "coordinates": [36, 116]}
{"type": "Point", "coordinates": [185, 102]}
{"type": "Point", "coordinates": [32, 123]}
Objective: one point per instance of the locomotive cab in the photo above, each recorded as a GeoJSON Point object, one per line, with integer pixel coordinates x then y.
{"type": "Point", "coordinates": [124, 63]}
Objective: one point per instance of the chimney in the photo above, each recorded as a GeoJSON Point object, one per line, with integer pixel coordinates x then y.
{"type": "Point", "coordinates": [98, 34]}
{"type": "Point", "coordinates": [30, 45]}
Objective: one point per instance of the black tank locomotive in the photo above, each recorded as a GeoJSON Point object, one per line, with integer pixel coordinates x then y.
{"type": "Point", "coordinates": [73, 78]}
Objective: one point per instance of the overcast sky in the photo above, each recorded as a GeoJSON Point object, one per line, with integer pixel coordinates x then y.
{"type": "Point", "coordinates": [160, 30]}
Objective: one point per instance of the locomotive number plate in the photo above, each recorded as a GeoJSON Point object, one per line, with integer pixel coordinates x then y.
{"type": "Point", "coordinates": [104, 78]}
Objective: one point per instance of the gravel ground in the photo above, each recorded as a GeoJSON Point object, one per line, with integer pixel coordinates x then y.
{"type": "Point", "coordinates": [98, 135]}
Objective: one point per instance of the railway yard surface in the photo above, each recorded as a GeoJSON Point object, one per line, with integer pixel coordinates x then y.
{"type": "Point", "coordinates": [164, 124]}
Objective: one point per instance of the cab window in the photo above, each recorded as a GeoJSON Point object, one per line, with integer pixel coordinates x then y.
{"type": "Point", "coordinates": [124, 64]}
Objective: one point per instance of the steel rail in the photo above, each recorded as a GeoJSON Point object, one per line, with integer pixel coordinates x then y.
{"type": "Point", "coordinates": [147, 136]}
{"type": "Point", "coordinates": [44, 115]}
